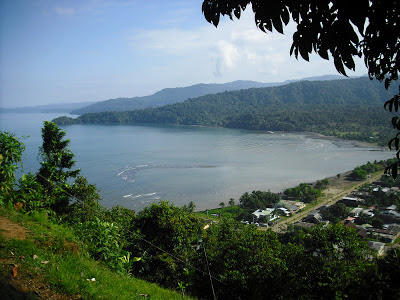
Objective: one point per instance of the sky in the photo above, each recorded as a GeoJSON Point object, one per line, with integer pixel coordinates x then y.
{"type": "Point", "coordinates": [92, 50]}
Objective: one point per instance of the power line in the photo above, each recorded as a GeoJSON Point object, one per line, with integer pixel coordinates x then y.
{"type": "Point", "coordinates": [208, 273]}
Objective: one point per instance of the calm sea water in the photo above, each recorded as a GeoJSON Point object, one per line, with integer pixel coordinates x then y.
{"type": "Point", "coordinates": [134, 166]}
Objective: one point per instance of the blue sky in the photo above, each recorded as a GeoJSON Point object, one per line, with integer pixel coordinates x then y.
{"type": "Point", "coordinates": [91, 50]}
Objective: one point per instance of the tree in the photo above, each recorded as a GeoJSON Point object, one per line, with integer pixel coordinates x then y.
{"type": "Point", "coordinates": [322, 184]}
{"type": "Point", "coordinates": [165, 236]}
{"type": "Point", "coordinates": [358, 174]}
{"type": "Point", "coordinates": [258, 199]}
{"type": "Point", "coordinates": [303, 191]}
{"type": "Point", "coordinates": [10, 156]}
{"type": "Point", "coordinates": [333, 28]}
{"type": "Point", "coordinates": [86, 205]}
{"type": "Point", "coordinates": [245, 261]}
{"type": "Point", "coordinates": [57, 161]}
{"type": "Point", "coordinates": [363, 218]}
{"type": "Point", "coordinates": [191, 206]}
{"type": "Point", "coordinates": [336, 212]}
{"type": "Point", "coordinates": [377, 222]}
{"type": "Point", "coordinates": [333, 264]}
{"type": "Point", "coordinates": [389, 269]}
{"type": "Point", "coordinates": [231, 202]}
{"type": "Point", "coordinates": [222, 204]}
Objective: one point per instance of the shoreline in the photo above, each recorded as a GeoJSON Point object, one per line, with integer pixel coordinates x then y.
{"type": "Point", "coordinates": [311, 134]}
{"type": "Point", "coordinates": [334, 139]}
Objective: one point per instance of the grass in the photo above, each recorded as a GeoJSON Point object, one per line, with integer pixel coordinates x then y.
{"type": "Point", "coordinates": [228, 211]}
{"type": "Point", "coordinates": [54, 257]}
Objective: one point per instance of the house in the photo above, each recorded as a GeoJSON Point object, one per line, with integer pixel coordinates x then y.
{"type": "Point", "coordinates": [269, 213]}
{"type": "Point", "coordinates": [377, 246]}
{"type": "Point", "coordinates": [394, 228]}
{"type": "Point", "coordinates": [391, 207]}
{"type": "Point", "coordinates": [293, 205]}
{"type": "Point", "coordinates": [390, 216]}
{"type": "Point", "coordinates": [361, 232]}
{"type": "Point", "coordinates": [350, 220]}
{"type": "Point", "coordinates": [350, 201]}
{"type": "Point", "coordinates": [358, 194]}
{"type": "Point", "coordinates": [368, 212]}
{"type": "Point", "coordinates": [387, 235]}
{"type": "Point", "coordinates": [291, 208]}
{"type": "Point", "coordinates": [356, 211]}
{"type": "Point", "coordinates": [283, 211]}
{"type": "Point", "coordinates": [366, 226]}
{"type": "Point", "coordinates": [314, 217]}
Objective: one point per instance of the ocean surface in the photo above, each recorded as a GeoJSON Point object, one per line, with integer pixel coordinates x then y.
{"type": "Point", "coordinates": [137, 165]}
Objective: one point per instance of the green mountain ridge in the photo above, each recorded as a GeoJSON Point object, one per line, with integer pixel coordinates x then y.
{"type": "Point", "coordinates": [176, 95]}
{"type": "Point", "coordinates": [351, 105]}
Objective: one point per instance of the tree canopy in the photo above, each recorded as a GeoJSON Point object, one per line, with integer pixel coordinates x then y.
{"type": "Point", "coordinates": [369, 29]}
{"type": "Point", "coordinates": [172, 247]}
{"type": "Point", "coordinates": [10, 156]}
{"type": "Point", "coordinates": [348, 108]}
{"type": "Point", "coordinates": [258, 199]}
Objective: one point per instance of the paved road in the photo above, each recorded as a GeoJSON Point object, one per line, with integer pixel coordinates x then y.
{"type": "Point", "coordinates": [281, 226]}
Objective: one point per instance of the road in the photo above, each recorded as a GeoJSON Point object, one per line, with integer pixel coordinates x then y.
{"type": "Point", "coordinates": [329, 199]}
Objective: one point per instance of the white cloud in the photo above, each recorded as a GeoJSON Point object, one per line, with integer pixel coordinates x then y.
{"type": "Point", "coordinates": [229, 53]}
{"type": "Point", "coordinates": [168, 47]}
{"type": "Point", "coordinates": [235, 50]}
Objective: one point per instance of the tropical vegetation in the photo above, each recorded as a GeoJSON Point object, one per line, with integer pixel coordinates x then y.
{"type": "Point", "coordinates": [333, 29]}
{"type": "Point", "coordinates": [172, 247]}
{"type": "Point", "coordinates": [349, 109]}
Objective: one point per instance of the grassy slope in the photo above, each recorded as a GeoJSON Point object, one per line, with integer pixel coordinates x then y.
{"type": "Point", "coordinates": [52, 259]}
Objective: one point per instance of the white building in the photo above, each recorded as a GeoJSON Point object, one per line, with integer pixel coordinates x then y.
{"type": "Point", "coordinates": [269, 213]}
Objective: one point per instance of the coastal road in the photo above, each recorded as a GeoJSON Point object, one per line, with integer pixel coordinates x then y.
{"type": "Point", "coordinates": [332, 195]}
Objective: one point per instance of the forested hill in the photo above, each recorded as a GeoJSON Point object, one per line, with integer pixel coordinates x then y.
{"type": "Point", "coordinates": [350, 106]}
{"type": "Point", "coordinates": [167, 96]}
{"type": "Point", "coordinates": [180, 94]}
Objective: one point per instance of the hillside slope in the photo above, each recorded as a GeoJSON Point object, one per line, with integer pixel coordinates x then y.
{"type": "Point", "coordinates": [350, 109]}
{"type": "Point", "coordinates": [180, 94]}
{"type": "Point", "coordinates": [42, 260]}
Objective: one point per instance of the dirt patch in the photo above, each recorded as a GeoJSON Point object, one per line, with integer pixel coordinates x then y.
{"type": "Point", "coordinates": [340, 183]}
{"type": "Point", "coordinates": [34, 288]}
{"type": "Point", "coordinates": [15, 281]}
{"type": "Point", "coordinates": [10, 229]}
{"type": "Point", "coordinates": [331, 192]}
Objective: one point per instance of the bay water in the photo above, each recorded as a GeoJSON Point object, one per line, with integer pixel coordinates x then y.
{"type": "Point", "coordinates": [137, 165]}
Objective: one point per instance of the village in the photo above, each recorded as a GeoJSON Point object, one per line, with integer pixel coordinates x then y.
{"type": "Point", "coordinates": [379, 224]}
